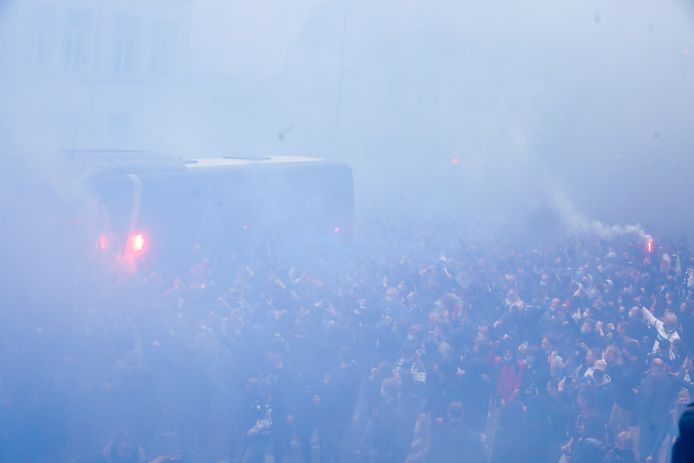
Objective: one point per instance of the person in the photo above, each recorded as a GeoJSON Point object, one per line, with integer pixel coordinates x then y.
{"type": "Point", "coordinates": [473, 384]}
{"type": "Point", "coordinates": [123, 450]}
{"type": "Point", "coordinates": [585, 370]}
{"type": "Point", "coordinates": [666, 332]}
{"type": "Point", "coordinates": [638, 327]}
{"type": "Point", "coordinates": [623, 451]}
{"type": "Point", "coordinates": [587, 442]}
{"type": "Point", "coordinates": [393, 428]}
{"type": "Point", "coordinates": [512, 439]}
{"type": "Point", "coordinates": [453, 438]}
{"type": "Point", "coordinates": [536, 374]}
{"type": "Point", "coordinates": [509, 376]}
{"type": "Point", "coordinates": [602, 387]}
{"type": "Point", "coordinates": [626, 375]}
{"type": "Point", "coordinates": [281, 419]}
{"type": "Point", "coordinates": [554, 319]}
{"type": "Point", "coordinates": [560, 414]}
{"type": "Point", "coordinates": [555, 362]}
{"type": "Point", "coordinates": [654, 400]}
{"type": "Point", "coordinates": [259, 421]}
{"type": "Point", "coordinates": [683, 448]}
{"type": "Point", "coordinates": [337, 401]}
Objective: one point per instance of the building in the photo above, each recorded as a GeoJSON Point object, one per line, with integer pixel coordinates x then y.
{"type": "Point", "coordinates": [85, 73]}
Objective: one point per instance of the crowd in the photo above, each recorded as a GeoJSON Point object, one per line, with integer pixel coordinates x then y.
{"type": "Point", "coordinates": [404, 346]}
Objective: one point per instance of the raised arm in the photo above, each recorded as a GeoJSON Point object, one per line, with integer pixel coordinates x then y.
{"type": "Point", "coordinates": [648, 316]}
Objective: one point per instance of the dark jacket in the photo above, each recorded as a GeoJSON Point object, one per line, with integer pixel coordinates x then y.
{"type": "Point", "coordinates": [655, 397]}
{"type": "Point", "coordinates": [393, 430]}
{"type": "Point", "coordinates": [683, 450]}
{"type": "Point", "coordinates": [452, 441]}
{"type": "Point", "coordinates": [620, 456]}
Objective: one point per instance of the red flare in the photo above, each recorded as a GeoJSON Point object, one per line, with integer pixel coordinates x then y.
{"type": "Point", "coordinates": [138, 242]}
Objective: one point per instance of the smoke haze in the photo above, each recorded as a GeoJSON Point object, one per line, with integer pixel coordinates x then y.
{"type": "Point", "coordinates": [525, 120]}
{"type": "Point", "coordinates": [456, 107]}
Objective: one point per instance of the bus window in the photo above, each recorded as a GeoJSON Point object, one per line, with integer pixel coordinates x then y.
{"type": "Point", "coordinates": [224, 212]}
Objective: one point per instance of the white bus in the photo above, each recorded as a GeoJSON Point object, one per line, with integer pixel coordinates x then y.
{"type": "Point", "coordinates": [164, 213]}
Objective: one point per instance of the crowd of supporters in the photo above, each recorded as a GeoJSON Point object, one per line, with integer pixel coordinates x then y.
{"type": "Point", "coordinates": [403, 345]}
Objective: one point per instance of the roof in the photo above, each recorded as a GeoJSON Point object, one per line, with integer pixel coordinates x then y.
{"type": "Point", "coordinates": [228, 161]}
{"type": "Point", "coordinates": [115, 162]}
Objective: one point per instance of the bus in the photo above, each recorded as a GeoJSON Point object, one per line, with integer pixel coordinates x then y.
{"type": "Point", "coordinates": [163, 214]}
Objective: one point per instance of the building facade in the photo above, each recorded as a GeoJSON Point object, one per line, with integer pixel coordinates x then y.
{"type": "Point", "coordinates": [86, 73]}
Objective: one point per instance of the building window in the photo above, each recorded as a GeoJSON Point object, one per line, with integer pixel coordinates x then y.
{"type": "Point", "coordinates": [39, 44]}
{"type": "Point", "coordinates": [38, 53]}
{"type": "Point", "coordinates": [162, 48]}
{"type": "Point", "coordinates": [125, 43]}
{"type": "Point", "coordinates": [75, 40]}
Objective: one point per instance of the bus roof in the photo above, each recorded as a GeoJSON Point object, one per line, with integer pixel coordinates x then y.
{"type": "Point", "coordinates": [115, 162]}
{"type": "Point", "coordinates": [229, 161]}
